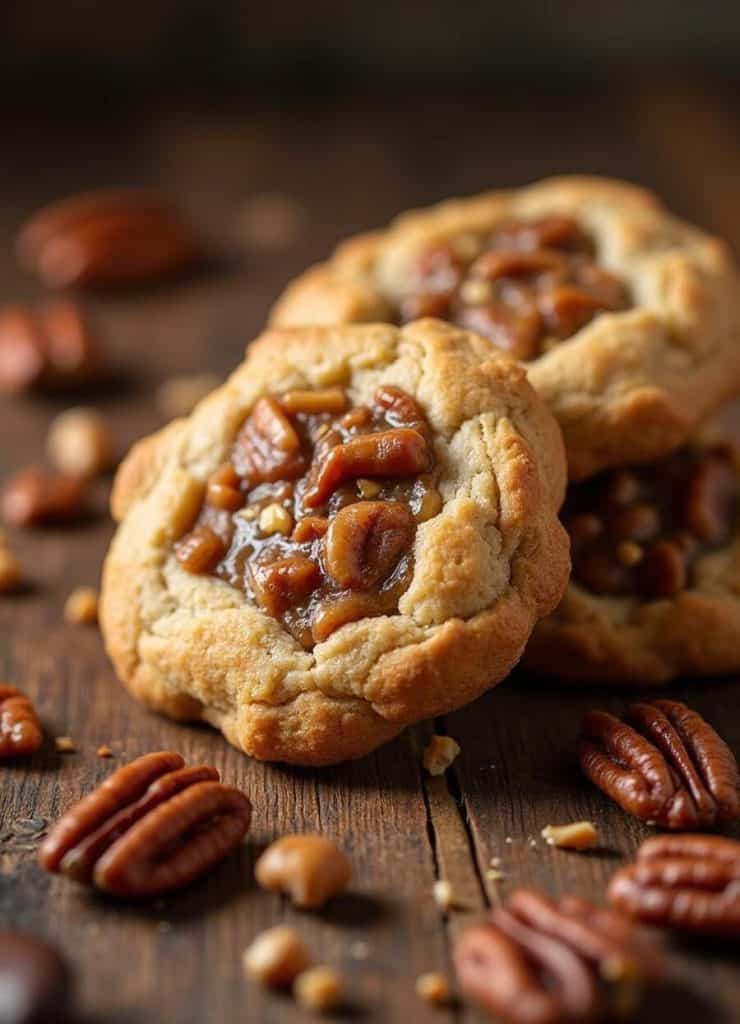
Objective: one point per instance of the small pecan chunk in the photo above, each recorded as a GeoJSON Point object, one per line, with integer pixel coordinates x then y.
{"type": "Point", "coordinates": [365, 541]}
{"type": "Point", "coordinates": [152, 827]}
{"type": "Point", "coordinates": [20, 729]}
{"type": "Point", "coordinates": [36, 497]}
{"type": "Point", "coordinates": [200, 550]}
{"type": "Point", "coordinates": [664, 764]}
{"type": "Point", "coordinates": [279, 583]}
{"type": "Point", "coordinates": [268, 447]}
{"type": "Point", "coordinates": [540, 962]}
{"type": "Point", "coordinates": [46, 349]}
{"type": "Point", "coordinates": [688, 883]}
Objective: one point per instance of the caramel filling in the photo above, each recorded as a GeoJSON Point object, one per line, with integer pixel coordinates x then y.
{"type": "Point", "coordinates": [315, 513]}
{"type": "Point", "coordinates": [640, 531]}
{"type": "Point", "coordinates": [526, 286]}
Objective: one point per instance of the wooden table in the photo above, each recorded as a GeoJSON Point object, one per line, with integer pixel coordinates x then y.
{"type": "Point", "coordinates": [353, 166]}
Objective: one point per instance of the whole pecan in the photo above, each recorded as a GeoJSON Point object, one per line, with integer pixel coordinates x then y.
{"type": "Point", "coordinates": [536, 961]}
{"type": "Point", "coordinates": [20, 729]}
{"type": "Point", "coordinates": [663, 763]}
{"type": "Point", "coordinates": [105, 238]}
{"type": "Point", "coordinates": [153, 826]}
{"type": "Point", "coordinates": [690, 883]}
{"type": "Point", "coordinates": [49, 348]}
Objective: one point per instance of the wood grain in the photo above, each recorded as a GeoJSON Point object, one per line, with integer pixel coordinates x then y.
{"type": "Point", "coordinates": [352, 168]}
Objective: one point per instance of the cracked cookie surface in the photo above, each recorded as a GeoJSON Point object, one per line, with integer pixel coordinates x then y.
{"type": "Point", "coordinates": [489, 560]}
{"type": "Point", "coordinates": [628, 319]}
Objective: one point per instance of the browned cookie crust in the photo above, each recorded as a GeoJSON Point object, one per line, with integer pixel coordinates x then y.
{"type": "Point", "coordinates": [628, 318]}
{"type": "Point", "coordinates": [482, 568]}
{"type": "Point", "coordinates": [655, 590]}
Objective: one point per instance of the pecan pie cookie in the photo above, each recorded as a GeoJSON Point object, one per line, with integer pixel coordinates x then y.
{"type": "Point", "coordinates": [655, 587]}
{"type": "Point", "coordinates": [358, 530]}
{"type": "Point", "coordinates": [628, 319]}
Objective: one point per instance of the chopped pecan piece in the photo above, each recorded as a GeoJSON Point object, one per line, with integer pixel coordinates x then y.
{"type": "Point", "coordinates": [20, 729]}
{"type": "Point", "coordinates": [46, 349]}
{"type": "Point", "coordinates": [153, 826]}
{"type": "Point", "coordinates": [268, 447]}
{"type": "Point", "coordinates": [365, 541]}
{"type": "Point", "coordinates": [400, 452]}
{"type": "Point", "coordinates": [662, 571]}
{"type": "Point", "coordinates": [312, 403]}
{"type": "Point", "coordinates": [664, 764]}
{"type": "Point", "coordinates": [35, 497]}
{"type": "Point", "coordinates": [279, 583]}
{"type": "Point", "coordinates": [688, 883]}
{"type": "Point", "coordinates": [200, 550]}
{"type": "Point", "coordinates": [710, 495]}
{"type": "Point", "coordinates": [515, 332]}
{"type": "Point", "coordinates": [540, 962]}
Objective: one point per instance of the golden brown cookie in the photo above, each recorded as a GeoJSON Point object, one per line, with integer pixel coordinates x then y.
{"type": "Point", "coordinates": [628, 318]}
{"type": "Point", "coordinates": [655, 589]}
{"type": "Point", "coordinates": [357, 531]}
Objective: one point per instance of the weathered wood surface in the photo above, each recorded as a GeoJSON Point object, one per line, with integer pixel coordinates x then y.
{"type": "Point", "coordinates": [352, 168]}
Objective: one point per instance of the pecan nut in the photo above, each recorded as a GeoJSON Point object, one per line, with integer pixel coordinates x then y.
{"type": "Point", "coordinates": [35, 497]}
{"type": "Point", "coordinates": [689, 883]}
{"type": "Point", "coordinates": [20, 729]}
{"type": "Point", "coordinates": [365, 541]}
{"type": "Point", "coordinates": [105, 238]}
{"type": "Point", "coordinates": [664, 764]}
{"type": "Point", "coordinates": [46, 349]}
{"type": "Point", "coordinates": [152, 827]}
{"type": "Point", "coordinates": [536, 961]}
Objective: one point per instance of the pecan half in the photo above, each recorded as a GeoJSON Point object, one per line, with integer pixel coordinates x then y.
{"type": "Point", "coordinates": [536, 961]}
{"type": "Point", "coordinates": [46, 349]}
{"type": "Point", "coordinates": [105, 238]}
{"type": "Point", "coordinates": [664, 764]}
{"type": "Point", "coordinates": [20, 729]}
{"type": "Point", "coordinates": [153, 826]}
{"type": "Point", "coordinates": [35, 497]}
{"type": "Point", "coordinates": [689, 883]}
{"type": "Point", "coordinates": [365, 541]}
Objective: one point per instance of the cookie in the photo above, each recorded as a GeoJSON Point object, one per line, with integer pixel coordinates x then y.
{"type": "Point", "coordinates": [655, 589]}
{"type": "Point", "coordinates": [627, 318]}
{"type": "Point", "coordinates": [357, 531]}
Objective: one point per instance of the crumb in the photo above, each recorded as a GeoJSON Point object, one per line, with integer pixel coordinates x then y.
{"type": "Point", "coordinates": [433, 988]}
{"type": "Point", "coordinates": [276, 957]}
{"type": "Point", "coordinates": [178, 396]}
{"type": "Point", "coordinates": [443, 894]}
{"type": "Point", "coordinates": [579, 835]}
{"type": "Point", "coordinates": [81, 607]}
{"type": "Point", "coordinates": [319, 988]}
{"type": "Point", "coordinates": [533, 843]}
{"type": "Point", "coordinates": [271, 220]}
{"type": "Point", "coordinates": [104, 751]}
{"type": "Point", "coordinates": [439, 754]}
{"type": "Point", "coordinates": [64, 745]}
{"type": "Point", "coordinates": [508, 840]}
{"type": "Point", "coordinates": [494, 875]}
{"type": "Point", "coordinates": [495, 862]}
{"type": "Point", "coordinates": [80, 443]}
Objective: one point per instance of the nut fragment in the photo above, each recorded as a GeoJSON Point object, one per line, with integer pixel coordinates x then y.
{"type": "Point", "coordinates": [664, 764]}
{"type": "Point", "coordinates": [276, 957]}
{"type": "Point", "coordinates": [311, 869]}
{"type": "Point", "coordinates": [178, 396]}
{"type": "Point", "coordinates": [539, 962]}
{"type": "Point", "coordinates": [579, 835]}
{"type": "Point", "coordinates": [47, 349]}
{"type": "Point", "coordinates": [20, 729]}
{"type": "Point", "coordinates": [275, 519]}
{"type": "Point", "coordinates": [319, 989]}
{"type": "Point", "coordinates": [439, 754]}
{"type": "Point", "coordinates": [11, 573]}
{"type": "Point", "coordinates": [35, 497]}
{"type": "Point", "coordinates": [81, 607]}
{"type": "Point", "coordinates": [689, 883]}
{"type": "Point", "coordinates": [80, 443]}
{"type": "Point", "coordinates": [64, 745]}
{"type": "Point", "coordinates": [105, 238]}
{"type": "Point", "coordinates": [444, 895]}
{"type": "Point", "coordinates": [152, 827]}
{"type": "Point", "coordinates": [433, 988]}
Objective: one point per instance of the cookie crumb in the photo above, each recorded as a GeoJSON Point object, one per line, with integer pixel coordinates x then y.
{"type": "Point", "coordinates": [494, 875]}
{"type": "Point", "coordinates": [104, 751]}
{"type": "Point", "coordinates": [64, 745]}
{"type": "Point", "coordinates": [579, 835]}
{"type": "Point", "coordinates": [80, 443]}
{"type": "Point", "coordinates": [276, 957]}
{"type": "Point", "coordinates": [81, 607]}
{"type": "Point", "coordinates": [443, 894]}
{"type": "Point", "coordinates": [433, 989]}
{"type": "Point", "coordinates": [178, 396]}
{"type": "Point", "coordinates": [319, 989]}
{"type": "Point", "coordinates": [439, 754]}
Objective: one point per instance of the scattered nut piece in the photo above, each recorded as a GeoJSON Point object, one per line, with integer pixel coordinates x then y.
{"type": "Point", "coordinates": [439, 754]}
{"type": "Point", "coordinates": [444, 897]}
{"type": "Point", "coordinates": [46, 349]}
{"type": "Point", "coordinates": [104, 751]}
{"type": "Point", "coordinates": [80, 443]}
{"type": "Point", "coordinates": [309, 868]}
{"type": "Point", "coordinates": [494, 875]}
{"type": "Point", "coordinates": [11, 574]}
{"type": "Point", "coordinates": [433, 988]}
{"type": "Point", "coordinates": [271, 220]}
{"type": "Point", "coordinates": [81, 607]}
{"type": "Point", "coordinates": [368, 488]}
{"type": "Point", "coordinates": [178, 396]}
{"type": "Point", "coordinates": [276, 957]}
{"type": "Point", "coordinates": [35, 497]}
{"type": "Point", "coordinates": [275, 519]}
{"type": "Point", "coordinates": [64, 745]}
{"type": "Point", "coordinates": [319, 989]}
{"type": "Point", "coordinates": [580, 835]}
